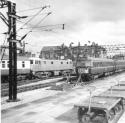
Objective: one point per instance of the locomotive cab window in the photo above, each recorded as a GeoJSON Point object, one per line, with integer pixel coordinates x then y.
{"type": "Point", "coordinates": [23, 64]}
{"type": "Point", "coordinates": [3, 64]}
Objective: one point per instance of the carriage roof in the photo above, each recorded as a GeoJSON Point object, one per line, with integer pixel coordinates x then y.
{"type": "Point", "coordinates": [37, 58]}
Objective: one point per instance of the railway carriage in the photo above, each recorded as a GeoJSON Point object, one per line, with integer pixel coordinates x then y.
{"type": "Point", "coordinates": [23, 67]}
{"type": "Point", "coordinates": [120, 65]}
{"type": "Point", "coordinates": [50, 67]}
{"type": "Point", "coordinates": [28, 68]}
{"type": "Point", "coordinates": [90, 68]}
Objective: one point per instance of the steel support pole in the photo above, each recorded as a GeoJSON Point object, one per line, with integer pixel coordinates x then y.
{"type": "Point", "coordinates": [10, 52]}
{"type": "Point", "coordinates": [14, 55]}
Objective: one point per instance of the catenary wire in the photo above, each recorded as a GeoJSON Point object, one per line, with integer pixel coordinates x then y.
{"type": "Point", "coordinates": [28, 10]}
{"type": "Point", "coordinates": [32, 18]}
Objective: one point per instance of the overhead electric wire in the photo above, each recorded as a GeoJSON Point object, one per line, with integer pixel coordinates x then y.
{"type": "Point", "coordinates": [23, 23]}
{"type": "Point", "coordinates": [38, 23]}
{"type": "Point", "coordinates": [45, 26]}
{"type": "Point", "coordinates": [34, 14]}
{"type": "Point", "coordinates": [28, 9]}
{"type": "Point", "coordinates": [32, 18]}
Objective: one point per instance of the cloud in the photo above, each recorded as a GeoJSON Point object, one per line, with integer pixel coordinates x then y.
{"type": "Point", "coordinates": [106, 10]}
{"type": "Point", "coordinates": [101, 21]}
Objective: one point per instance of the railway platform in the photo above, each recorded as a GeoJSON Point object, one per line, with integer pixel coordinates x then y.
{"type": "Point", "coordinates": [50, 106]}
{"type": "Point", "coordinates": [26, 97]}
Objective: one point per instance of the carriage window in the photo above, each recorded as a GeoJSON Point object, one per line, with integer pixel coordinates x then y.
{"type": "Point", "coordinates": [51, 62]}
{"type": "Point", "coordinates": [23, 64]}
{"type": "Point", "coordinates": [3, 64]}
{"type": "Point", "coordinates": [31, 61]}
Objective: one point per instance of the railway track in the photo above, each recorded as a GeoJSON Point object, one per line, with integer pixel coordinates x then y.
{"type": "Point", "coordinates": [24, 85]}
{"type": "Point", "coordinates": [31, 86]}
{"type": "Point", "coordinates": [25, 82]}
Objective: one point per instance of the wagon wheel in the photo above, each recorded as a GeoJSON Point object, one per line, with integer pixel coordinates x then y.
{"type": "Point", "coordinates": [99, 119]}
{"type": "Point", "coordinates": [118, 108]}
{"type": "Point", "coordinates": [86, 118]}
{"type": "Point", "coordinates": [111, 115]}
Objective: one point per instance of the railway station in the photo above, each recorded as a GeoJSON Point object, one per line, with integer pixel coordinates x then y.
{"type": "Point", "coordinates": [62, 61]}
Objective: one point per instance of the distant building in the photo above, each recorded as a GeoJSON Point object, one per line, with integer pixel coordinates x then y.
{"type": "Point", "coordinates": [58, 52]}
{"type": "Point", "coordinates": [119, 57]}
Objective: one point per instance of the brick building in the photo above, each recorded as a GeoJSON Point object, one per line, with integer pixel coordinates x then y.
{"type": "Point", "coordinates": [64, 52]}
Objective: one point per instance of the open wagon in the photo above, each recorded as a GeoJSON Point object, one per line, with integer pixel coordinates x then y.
{"type": "Point", "coordinates": [100, 109]}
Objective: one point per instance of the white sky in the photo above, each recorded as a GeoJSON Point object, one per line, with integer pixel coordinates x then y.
{"type": "Point", "coordinates": [101, 21]}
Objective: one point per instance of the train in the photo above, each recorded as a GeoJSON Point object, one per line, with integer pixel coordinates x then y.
{"type": "Point", "coordinates": [87, 68]}
{"type": "Point", "coordinates": [92, 68]}
{"type": "Point", "coordinates": [31, 67]}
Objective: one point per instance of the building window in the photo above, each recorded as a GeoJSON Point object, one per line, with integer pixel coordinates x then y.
{"type": "Point", "coordinates": [61, 62]}
{"type": "Point", "coordinates": [31, 61]}
{"type": "Point", "coordinates": [3, 64]}
{"type": "Point", "coordinates": [67, 62]}
{"type": "Point", "coordinates": [51, 62]}
{"type": "Point", "coordinates": [23, 64]}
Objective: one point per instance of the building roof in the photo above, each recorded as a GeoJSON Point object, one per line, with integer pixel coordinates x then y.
{"type": "Point", "coordinates": [50, 48]}
{"type": "Point", "coordinates": [53, 48]}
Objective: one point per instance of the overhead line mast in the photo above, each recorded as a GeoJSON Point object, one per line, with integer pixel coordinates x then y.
{"type": "Point", "coordinates": [12, 48]}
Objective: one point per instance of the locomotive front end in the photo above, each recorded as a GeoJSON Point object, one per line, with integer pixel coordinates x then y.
{"type": "Point", "coordinates": [83, 69]}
